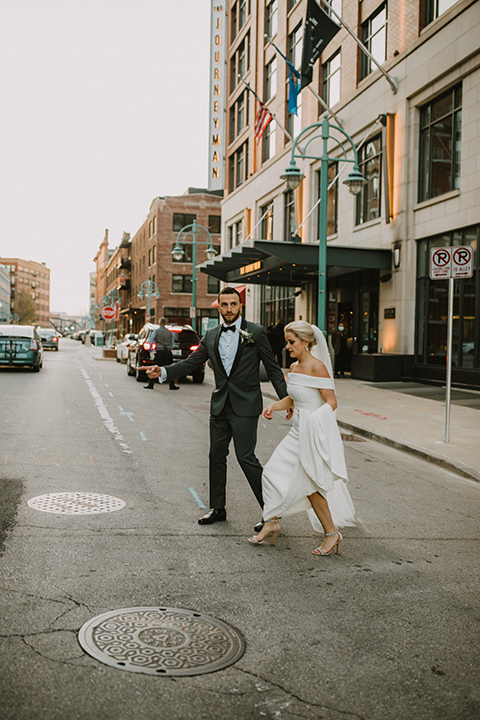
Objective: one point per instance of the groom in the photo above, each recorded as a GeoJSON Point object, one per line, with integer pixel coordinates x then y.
{"type": "Point", "coordinates": [235, 349]}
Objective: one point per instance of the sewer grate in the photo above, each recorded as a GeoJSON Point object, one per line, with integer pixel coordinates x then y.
{"type": "Point", "coordinates": [161, 641]}
{"type": "Point", "coordinates": [76, 503]}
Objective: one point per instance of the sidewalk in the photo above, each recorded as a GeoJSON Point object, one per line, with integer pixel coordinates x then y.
{"type": "Point", "coordinates": [409, 422]}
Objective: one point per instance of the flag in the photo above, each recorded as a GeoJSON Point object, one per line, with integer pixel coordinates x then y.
{"type": "Point", "coordinates": [263, 119]}
{"type": "Point", "coordinates": [293, 90]}
{"type": "Point", "coordinates": [319, 30]}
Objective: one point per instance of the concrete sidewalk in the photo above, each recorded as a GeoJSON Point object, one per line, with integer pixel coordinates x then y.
{"type": "Point", "coordinates": [392, 415]}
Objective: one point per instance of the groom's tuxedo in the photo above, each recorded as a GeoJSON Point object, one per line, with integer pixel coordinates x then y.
{"type": "Point", "coordinates": [236, 402]}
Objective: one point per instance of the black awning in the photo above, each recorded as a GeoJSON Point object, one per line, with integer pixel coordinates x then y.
{"type": "Point", "coordinates": [266, 262]}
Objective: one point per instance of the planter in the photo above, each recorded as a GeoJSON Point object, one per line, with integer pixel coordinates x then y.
{"type": "Point", "coordinates": [382, 367]}
{"type": "Point", "coordinates": [109, 353]}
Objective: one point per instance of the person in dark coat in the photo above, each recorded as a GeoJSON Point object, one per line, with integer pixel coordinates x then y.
{"type": "Point", "coordinates": [339, 342]}
{"type": "Point", "coordinates": [163, 353]}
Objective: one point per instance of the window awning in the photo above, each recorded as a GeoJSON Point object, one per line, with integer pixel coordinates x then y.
{"type": "Point", "coordinates": [241, 289]}
{"type": "Point", "coordinates": [266, 262]}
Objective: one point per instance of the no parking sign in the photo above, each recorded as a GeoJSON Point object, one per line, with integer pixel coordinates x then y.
{"type": "Point", "coordinates": [451, 262]}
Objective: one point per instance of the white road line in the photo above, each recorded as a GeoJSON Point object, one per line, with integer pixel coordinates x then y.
{"type": "Point", "coordinates": [143, 436]}
{"type": "Point", "coordinates": [104, 414]}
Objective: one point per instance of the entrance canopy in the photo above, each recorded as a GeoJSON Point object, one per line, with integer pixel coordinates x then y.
{"type": "Point", "coordinates": [266, 262]}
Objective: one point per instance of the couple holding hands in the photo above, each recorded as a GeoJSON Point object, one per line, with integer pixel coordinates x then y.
{"type": "Point", "coordinates": [307, 470]}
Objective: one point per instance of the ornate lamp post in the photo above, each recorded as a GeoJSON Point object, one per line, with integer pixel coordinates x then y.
{"type": "Point", "coordinates": [293, 177]}
{"type": "Point", "coordinates": [178, 254]}
{"type": "Point", "coordinates": [147, 289]}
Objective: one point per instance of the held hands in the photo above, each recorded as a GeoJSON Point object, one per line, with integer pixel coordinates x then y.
{"type": "Point", "coordinates": [267, 413]}
{"type": "Point", "coordinates": [153, 372]}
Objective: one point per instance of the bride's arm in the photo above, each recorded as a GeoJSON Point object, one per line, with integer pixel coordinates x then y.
{"type": "Point", "coordinates": [328, 395]}
{"type": "Point", "coordinates": [285, 404]}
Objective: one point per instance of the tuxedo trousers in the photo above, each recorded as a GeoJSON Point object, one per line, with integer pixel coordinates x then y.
{"type": "Point", "coordinates": [243, 430]}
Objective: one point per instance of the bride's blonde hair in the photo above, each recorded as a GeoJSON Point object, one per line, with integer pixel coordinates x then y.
{"type": "Point", "coordinates": [303, 331]}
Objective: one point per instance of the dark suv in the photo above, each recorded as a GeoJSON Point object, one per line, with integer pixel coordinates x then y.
{"type": "Point", "coordinates": [141, 353]}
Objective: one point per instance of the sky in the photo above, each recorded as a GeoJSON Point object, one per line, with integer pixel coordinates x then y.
{"type": "Point", "coordinates": [104, 106]}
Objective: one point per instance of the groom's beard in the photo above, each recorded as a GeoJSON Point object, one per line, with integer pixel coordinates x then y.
{"type": "Point", "coordinates": [231, 318]}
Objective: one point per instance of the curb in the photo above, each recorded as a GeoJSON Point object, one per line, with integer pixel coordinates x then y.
{"type": "Point", "coordinates": [455, 466]}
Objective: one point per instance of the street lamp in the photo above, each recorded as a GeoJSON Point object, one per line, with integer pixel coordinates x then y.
{"type": "Point", "coordinates": [147, 289]}
{"type": "Point", "coordinates": [178, 253]}
{"type": "Point", "coordinates": [293, 177]}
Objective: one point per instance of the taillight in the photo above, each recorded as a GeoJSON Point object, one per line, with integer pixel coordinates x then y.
{"type": "Point", "coordinates": [193, 347]}
{"type": "Point", "coordinates": [153, 346]}
{"type": "Point", "coordinates": [33, 344]}
{"type": "Point", "coordinates": [55, 339]}
{"type": "Point", "coordinates": [146, 346]}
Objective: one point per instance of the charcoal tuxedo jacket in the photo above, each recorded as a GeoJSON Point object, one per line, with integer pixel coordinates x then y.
{"type": "Point", "coordinates": [242, 386]}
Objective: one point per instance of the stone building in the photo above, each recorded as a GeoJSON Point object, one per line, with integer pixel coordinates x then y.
{"type": "Point", "coordinates": [32, 278]}
{"type": "Point", "coordinates": [419, 150]}
{"type": "Point", "coordinates": [5, 294]}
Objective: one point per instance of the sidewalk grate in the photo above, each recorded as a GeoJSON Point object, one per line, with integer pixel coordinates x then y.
{"type": "Point", "coordinates": [76, 503]}
{"type": "Point", "coordinates": [161, 641]}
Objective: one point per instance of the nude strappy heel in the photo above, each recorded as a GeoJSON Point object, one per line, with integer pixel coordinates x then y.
{"type": "Point", "coordinates": [337, 546]}
{"type": "Point", "coordinates": [272, 534]}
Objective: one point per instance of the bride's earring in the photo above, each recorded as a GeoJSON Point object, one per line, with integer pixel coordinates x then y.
{"type": "Point", "coordinates": [306, 348]}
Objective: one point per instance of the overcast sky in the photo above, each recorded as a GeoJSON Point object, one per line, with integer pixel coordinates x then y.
{"type": "Point", "coordinates": [104, 106]}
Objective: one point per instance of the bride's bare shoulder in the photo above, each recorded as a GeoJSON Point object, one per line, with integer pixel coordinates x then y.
{"type": "Point", "coordinates": [319, 369]}
{"type": "Point", "coordinates": [293, 366]}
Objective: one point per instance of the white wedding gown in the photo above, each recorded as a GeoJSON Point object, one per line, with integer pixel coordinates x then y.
{"type": "Point", "coordinates": [309, 459]}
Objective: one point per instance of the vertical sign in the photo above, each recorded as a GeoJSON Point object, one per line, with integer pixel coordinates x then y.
{"type": "Point", "coordinates": [218, 96]}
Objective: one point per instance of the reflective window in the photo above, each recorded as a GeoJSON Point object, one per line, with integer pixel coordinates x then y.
{"type": "Point", "coordinates": [374, 37]}
{"type": "Point", "coordinates": [331, 80]}
{"type": "Point", "coordinates": [272, 18]}
{"type": "Point", "coordinates": [370, 164]}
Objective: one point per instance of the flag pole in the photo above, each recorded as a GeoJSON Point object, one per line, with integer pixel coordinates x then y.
{"type": "Point", "coordinates": [322, 102]}
{"type": "Point", "coordinates": [392, 81]}
{"type": "Point", "coordinates": [272, 114]}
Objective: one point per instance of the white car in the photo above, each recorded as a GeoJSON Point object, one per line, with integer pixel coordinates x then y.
{"type": "Point", "coordinates": [123, 345]}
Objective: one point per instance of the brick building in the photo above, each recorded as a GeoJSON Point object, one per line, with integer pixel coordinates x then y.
{"type": "Point", "coordinates": [419, 149]}
{"type": "Point", "coordinates": [122, 271]}
{"type": "Point", "coordinates": [33, 278]}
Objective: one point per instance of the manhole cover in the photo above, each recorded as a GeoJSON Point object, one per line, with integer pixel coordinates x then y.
{"type": "Point", "coordinates": [161, 641]}
{"type": "Point", "coordinates": [76, 503]}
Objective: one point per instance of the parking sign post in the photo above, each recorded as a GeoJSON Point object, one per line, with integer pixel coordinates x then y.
{"type": "Point", "coordinates": [452, 263]}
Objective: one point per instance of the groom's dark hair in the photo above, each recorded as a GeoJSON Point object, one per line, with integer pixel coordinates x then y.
{"type": "Point", "coordinates": [229, 291]}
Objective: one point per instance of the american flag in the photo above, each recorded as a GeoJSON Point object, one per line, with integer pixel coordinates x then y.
{"type": "Point", "coordinates": [264, 117]}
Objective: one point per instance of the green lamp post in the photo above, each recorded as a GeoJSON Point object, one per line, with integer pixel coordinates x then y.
{"type": "Point", "coordinates": [178, 253]}
{"type": "Point", "coordinates": [293, 177]}
{"type": "Point", "coordinates": [147, 289]}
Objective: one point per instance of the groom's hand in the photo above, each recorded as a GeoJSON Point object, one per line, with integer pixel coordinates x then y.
{"type": "Point", "coordinates": [267, 413]}
{"type": "Point", "coordinates": [289, 414]}
{"type": "Point", "coordinates": [153, 372]}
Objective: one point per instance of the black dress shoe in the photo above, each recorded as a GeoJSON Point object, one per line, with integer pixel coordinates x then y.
{"type": "Point", "coordinates": [213, 516]}
{"type": "Point", "coordinates": [174, 387]}
{"type": "Point", "coordinates": [148, 387]}
{"type": "Point", "coordinates": [259, 526]}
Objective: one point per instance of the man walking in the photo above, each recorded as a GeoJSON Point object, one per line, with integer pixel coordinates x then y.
{"type": "Point", "coordinates": [235, 349]}
{"type": "Point", "coordinates": [163, 353]}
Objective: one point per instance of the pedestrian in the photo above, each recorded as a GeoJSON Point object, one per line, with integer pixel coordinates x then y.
{"type": "Point", "coordinates": [307, 470]}
{"type": "Point", "coordinates": [339, 341]}
{"type": "Point", "coordinates": [235, 349]}
{"type": "Point", "coordinates": [277, 341]}
{"type": "Point", "coordinates": [163, 354]}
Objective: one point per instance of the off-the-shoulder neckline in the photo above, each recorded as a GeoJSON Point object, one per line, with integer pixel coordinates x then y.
{"type": "Point", "coordinates": [318, 377]}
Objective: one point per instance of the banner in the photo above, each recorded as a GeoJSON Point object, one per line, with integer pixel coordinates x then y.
{"type": "Point", "coordinates": [319, 30]}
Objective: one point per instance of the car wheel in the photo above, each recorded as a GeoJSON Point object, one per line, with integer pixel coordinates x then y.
{"type": "Point", "coordinates": [130, 370]}
{"type": "Point", "coordinates": [118, 359]}
{"type": "Point", "coordinates": [198, 377]}
{"type": "Point", "coordinates": [141, 375]}
{"type": "Point", "coordinates": [36, 368]}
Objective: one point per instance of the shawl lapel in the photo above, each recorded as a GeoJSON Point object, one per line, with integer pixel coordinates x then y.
{"type": "Point", "coordinates": [215, 348]}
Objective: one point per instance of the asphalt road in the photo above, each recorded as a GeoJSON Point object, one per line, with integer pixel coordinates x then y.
{"type": "Point", "coordinates": [386, 631]}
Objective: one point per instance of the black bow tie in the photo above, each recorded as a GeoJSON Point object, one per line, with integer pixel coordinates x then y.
{"type": "Point", "coordinates": [226, 328]}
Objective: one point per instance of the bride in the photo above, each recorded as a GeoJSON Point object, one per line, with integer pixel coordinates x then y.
{"type": "Point", "coordinates": [307, 470]}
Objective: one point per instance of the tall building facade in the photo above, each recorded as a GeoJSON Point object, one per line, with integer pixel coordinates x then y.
{"type": "Point", "coordinates": [418, 148]}
{"type": "Point", "coordinates": [123, 273]}
{"type": "Point", "coordinates": [5, 294]}
{"type": "Point", "coordinates": [30, 285]}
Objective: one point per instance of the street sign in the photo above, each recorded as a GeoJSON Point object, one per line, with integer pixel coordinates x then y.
{"type": "Point", "coordinates": [192, 312]}
{"type": "Point", "coordinates": [108, 313]}
{"type": "Point", "coordinates": [451, 262]}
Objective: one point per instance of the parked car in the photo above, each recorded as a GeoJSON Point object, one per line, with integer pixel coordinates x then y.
{"type": "Point", "coordinates": [141, 353]}
{"type": "Point", "coordinates": [48, 337]}
{"type": "Point", "coordinates": [20, 346]}
{"type": "Point", "coordinates": [123, 345]}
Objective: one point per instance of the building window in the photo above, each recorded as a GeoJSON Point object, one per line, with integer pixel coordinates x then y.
{"type": "Point", "coordinates": [214, 224]}
{"type": "Point", "coordinates": [213, 285]}
{"type": "Point", "coordinates": [331, 80]}
{"type": "Point", "coordinates": [187, 253]}
{"type": "Point", "coordinates": [242, 13]}
{"type": "Point", "coordinates": [435, 8]}
{"type": "Point", "coordinates": [291, 4]}
{"type": "Point", "coordinates": [432, 307]}
{"type": "Point", "coordinates": [332, 198]}
{"type": "Point", "coordinates": [233, 72]}
{"type": "Point", "coordinates": [370, 164]}
{"type": "Point", "coordinates": [290, 216]}
{"type": "Point", "coordinates": [374, 37]}
{"type": "Point", "coordinates": [234, 21]}
{"type": "Point", "coordinates": [272, 19]}
{"type": "Point", "coordinates": [271, 79]}
{"type": "Point", "coordinates": [230, 237]}
{"type": "Point", "coordinates": [181, 283]}
{"type": "Point", "coordinates": [239, 166]}
{"type": "Point", "coordinates": [239, 115]}
{"type": "Point", "coordinates": [336, 5]}
{"type": "Point", "coordinates": [180, 220]}
{"type": "Point", "coordinates": [234, 234]}
{"type": "Point", "coordinates": [269, 141]}
{"type": "Point", "coordinates": [440, 141]}
{"type": "Point", "coordinates": [266, 212]}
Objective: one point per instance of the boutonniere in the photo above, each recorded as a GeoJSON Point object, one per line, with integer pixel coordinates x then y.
{"type": "Point", "coordinates": [246, 338]}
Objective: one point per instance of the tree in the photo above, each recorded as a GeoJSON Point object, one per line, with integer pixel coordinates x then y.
{"type": "Point", "coordinates": [25, 308]}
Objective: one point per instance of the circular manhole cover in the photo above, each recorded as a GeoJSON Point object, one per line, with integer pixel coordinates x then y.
{"type": "Point", "coordinates": [161, 641]}
{"type": "Point", "coordinates": [76, 503]}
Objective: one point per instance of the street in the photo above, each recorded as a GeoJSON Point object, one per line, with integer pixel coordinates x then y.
{"type": "Point", "coordinates": [386, 631]}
